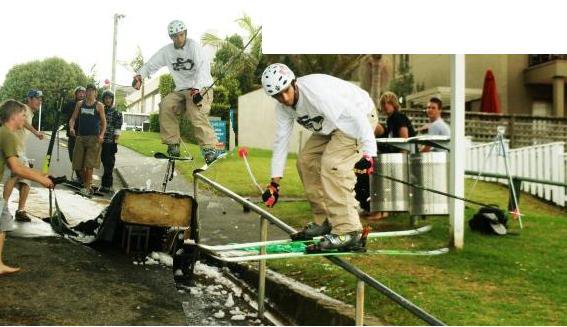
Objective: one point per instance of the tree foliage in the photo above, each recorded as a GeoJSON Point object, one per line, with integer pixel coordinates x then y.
{"type": "Point", "coordinates": [339, 65]}
{"type": "Point", "coordinates": [236, 68]}
{"type": "Point", "coordinates": [403, 84]}
{"type": "Point", "coordinates": [54, 76]}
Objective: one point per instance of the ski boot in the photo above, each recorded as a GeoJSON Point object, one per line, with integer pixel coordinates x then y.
{"type": "Point", "coordinates": [312, 230]}
{"type": "Point", "coordinates": [211, 155]}
{"type": "Point", "coordinates": [86, 192]}
{"type": "Point", "coordinates": [106, 189]}
{"type": "Point", "coordinates": [349, 242]}
{"type": "Point", "coordinates": [173, 150]}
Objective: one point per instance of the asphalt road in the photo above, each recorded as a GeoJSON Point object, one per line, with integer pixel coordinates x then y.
{"type": "Point", "coordinates": [64, 283]}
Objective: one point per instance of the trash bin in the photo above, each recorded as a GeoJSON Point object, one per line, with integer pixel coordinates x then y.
{"type": "Point", "coordinates": [430, 170]}
{"type": "Point", "coordinates": [386, 194]}
{"type": "Point", "coordinates": [146, 126]}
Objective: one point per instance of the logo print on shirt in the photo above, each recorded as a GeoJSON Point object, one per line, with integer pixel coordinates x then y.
{"type": "Point", "coordinates": [315, 123]}
{"type": "Point", "coordinates": [88, 111]}
{"type": "Point", "coordinates": [182, 64]}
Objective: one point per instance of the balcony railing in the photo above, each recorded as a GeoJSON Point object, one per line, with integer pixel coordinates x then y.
{"type": "Point", "coordinates": [536, 59]}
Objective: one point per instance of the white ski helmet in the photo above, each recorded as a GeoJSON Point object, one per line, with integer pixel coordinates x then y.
{"type": "Point", "coordinates": [175, 27]}
{"type": "Point", "coordinates": [276, 78]}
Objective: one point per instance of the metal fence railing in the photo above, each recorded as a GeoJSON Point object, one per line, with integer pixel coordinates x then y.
{"type": "Point", "coordinates": [362, 277]}
{"type": "Point", "coordinates": [539, 166]}
{"type": "Point", "coordinates": [521, 130]}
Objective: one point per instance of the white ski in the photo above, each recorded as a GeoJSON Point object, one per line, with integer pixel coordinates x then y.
{"type": "Point", "coordinates": [272, 256]}
{"type": "Point", "coordinates": [228, 247]}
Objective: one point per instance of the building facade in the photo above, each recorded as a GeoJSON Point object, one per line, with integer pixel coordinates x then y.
{"type": "Point", "coordinates": [526, 84]}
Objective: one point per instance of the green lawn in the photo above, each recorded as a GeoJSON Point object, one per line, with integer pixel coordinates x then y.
{"type": "Point", "coordinates": [230, 172]}
{"type": "Point", "coordinates": [518, 279]}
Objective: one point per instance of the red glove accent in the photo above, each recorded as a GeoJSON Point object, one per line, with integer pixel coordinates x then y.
{"type": "Point", "coordinates": [137, 82]}
{"type": "Point", "coordinates": [271, 195]}
{"type": "Point", "coordinates": [366, 163]}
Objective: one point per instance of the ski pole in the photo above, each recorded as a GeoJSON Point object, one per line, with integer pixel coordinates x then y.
{"type": "Point", "coordinates": [197, 98]}
{"type": "Point", "coordinates": [243, 153]}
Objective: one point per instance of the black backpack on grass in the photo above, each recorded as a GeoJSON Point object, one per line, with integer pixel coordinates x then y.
{"type": "Point", "coordinates": [489, 220]}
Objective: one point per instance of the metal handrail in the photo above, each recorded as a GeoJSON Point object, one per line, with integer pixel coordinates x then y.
{"type": "Point", "coordinates": [359, 274]}
{"type": "Point", "coordinates": [520, 178]}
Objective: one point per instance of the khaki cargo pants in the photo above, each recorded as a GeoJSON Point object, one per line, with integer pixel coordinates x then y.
{"type": "Point", "coordinates": [178, 103]}
{"type": "Point", "coordinates": [325, 167]}
{"type": "Point", "coordinates": [86, 154]}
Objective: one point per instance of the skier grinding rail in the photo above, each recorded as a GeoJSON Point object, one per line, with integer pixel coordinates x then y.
{"type": "Point", "coordinates": [340, 115]}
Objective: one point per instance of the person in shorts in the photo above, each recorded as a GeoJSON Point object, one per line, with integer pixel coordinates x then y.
{"type": "Point", "coordinates": [13, 117]}
{"type": "Point", "coordinates": [89, 130]}
{"type": "Point", "coordinates": [34, 100]}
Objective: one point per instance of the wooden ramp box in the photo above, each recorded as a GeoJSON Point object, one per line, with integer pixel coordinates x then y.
{"type": "Point", "coordinates": [157, 209]}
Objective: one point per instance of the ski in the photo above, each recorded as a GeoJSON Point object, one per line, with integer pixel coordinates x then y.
{"type": "Point", "coordinates": [228, 247]}
{"type": "Point", "coordinates": [244, 258]}
{"type": "Point", "coordinates": [76, 186]}
{"type": "Point", "coordinates": [161, 155]}
{"type": "Point", "coordinates": [205, 166]}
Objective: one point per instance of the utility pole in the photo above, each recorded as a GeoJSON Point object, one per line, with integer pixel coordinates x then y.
{"type": "Point", "coordinates": [114, 43]}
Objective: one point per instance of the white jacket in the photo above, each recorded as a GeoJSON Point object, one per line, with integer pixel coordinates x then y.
{"type": "Point", "coordinates": [189, 66]}
{"type": "Point", "coordinates": [325, 103]}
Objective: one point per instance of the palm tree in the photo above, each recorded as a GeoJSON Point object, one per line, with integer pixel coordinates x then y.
{"type": "Point", "coordinates": [240, 59]}
{"type": "Point", "coordinates": [373, 74]}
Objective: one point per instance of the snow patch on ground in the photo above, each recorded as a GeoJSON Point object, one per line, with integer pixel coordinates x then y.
{"type": "Point", "coordinates": [238, 317]}
{"type": "Point", "coordinates": [156, 258]}
{"type": "Point", "coordinates": [229, 301]}
{"type": "Point", "coordinates": [215, 274]}
{"type": "Point", "coordinates": [76, 209]}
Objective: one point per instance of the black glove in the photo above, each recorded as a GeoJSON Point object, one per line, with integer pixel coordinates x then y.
{"type": "Point", "coordinates": [271, 195]}
{"type": "Point", "coordinates": [58, 180]}
{"type": "Point", "coordinates": [137, 82]}
{"type": "Point", "coordinates": [197, 98]}
{"type": "Point", "coordinates": [365, 165]}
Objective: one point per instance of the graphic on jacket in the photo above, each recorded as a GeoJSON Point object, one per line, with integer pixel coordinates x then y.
{"type": "Point", "coordinates": [315, 123]}
{"type": "Point", "coordinates": [182, 64]}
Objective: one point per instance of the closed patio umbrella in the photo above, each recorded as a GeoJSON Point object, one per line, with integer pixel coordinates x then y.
{"type": "Point", "coordinates": [489, 101]}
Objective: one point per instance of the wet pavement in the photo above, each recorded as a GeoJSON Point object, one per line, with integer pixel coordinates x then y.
{"type": "Point", "coordinates": [222, 219]}
{"type": "Point", "coordinates": [65, 283]}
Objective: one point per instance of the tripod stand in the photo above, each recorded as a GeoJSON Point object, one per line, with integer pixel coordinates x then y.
{"type": "Point", "coordinates": [498, 145]}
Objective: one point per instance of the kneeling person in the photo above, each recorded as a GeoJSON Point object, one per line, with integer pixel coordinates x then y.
{"type": "Point", "coordinates": [91, 125]}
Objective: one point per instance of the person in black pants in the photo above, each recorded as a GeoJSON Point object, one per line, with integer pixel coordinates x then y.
{"type": "Point", "coordinates": [79, 94]}
{"type": "Point", "coordinates": [398, 125]}
{"type": "Point", "coordinates": [109, 145]}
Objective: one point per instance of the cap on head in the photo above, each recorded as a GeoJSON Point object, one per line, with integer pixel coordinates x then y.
{"type": "Point", "coordinates": [175, 27]}
{"type": "Point", "coordinates": [276, 78]}
{"type": "Point", "coordinates": [78, 89]}
{"type": "Point", "coordinates": [107, 93]}
{"type": "Point", "coordinates": [33, 93]}
{"type": "Point", "coordinates": [90, 87]}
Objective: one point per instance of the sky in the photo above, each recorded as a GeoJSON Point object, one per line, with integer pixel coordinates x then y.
{"type": "Point", "coordinates": [82, 31]}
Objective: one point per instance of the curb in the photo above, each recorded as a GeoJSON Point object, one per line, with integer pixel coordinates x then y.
{"type": "Point", "coordinates": [121, 176]}
{"type": "Point", "coordinates": [298, 302]}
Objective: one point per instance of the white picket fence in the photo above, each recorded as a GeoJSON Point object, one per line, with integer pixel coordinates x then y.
{"type": "Point", "coordinates": [544, 162]}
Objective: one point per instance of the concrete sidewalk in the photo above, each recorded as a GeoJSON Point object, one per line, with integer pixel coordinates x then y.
{"type": "Point", "coordinates": [222, 219]}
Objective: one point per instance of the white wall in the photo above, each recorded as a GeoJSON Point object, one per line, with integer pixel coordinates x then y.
{"type": "Point", "coordinates": [257, 121]}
